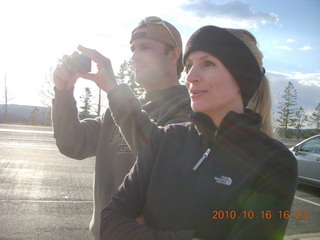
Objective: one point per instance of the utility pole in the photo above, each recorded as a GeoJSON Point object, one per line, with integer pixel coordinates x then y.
{"type": "Point", "coordinates": [5, 99]}
{"type": "Point", "coordinates": [99, 103]}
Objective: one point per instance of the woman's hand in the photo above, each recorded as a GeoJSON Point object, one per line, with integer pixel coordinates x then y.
{"type": "Point", "coordinates": [141, 220]}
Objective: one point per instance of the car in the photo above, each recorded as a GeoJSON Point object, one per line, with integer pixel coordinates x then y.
{"type": "Point", "coordinates": [307, 154]}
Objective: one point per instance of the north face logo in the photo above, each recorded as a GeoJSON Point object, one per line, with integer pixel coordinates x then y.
{"type": "Point", "coordinates": [223, 180]}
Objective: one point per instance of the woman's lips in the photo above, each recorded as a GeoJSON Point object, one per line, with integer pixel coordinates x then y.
{"type": "Point", "coordinates": [196, 93]}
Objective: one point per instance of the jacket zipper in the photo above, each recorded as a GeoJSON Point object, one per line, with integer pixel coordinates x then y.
{"type": "Point", "coordinates": [204, 156]}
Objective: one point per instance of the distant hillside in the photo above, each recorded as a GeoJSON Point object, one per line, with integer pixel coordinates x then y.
{"type": "Point", "coordinates": [26, 114]}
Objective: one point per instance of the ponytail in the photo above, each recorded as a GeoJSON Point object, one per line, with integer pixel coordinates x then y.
{"type": "Point", "coordinates": [261, 103]}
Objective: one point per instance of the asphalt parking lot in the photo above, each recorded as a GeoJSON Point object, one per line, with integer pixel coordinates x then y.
{"type": "Point", "coordinates": [44, 195]}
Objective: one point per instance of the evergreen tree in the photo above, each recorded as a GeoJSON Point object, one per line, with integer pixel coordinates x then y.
{"type": "Point", "coordinates": [287, 110]}
{"type": "Point", "coordinates": [126, 75]}
{"type": "Point", "coordinates": [34, 116]}
{"type": "Point", "coordinates": [300, 120]}
{"type": "Point", "coordinates": [86, 99]}
{"type": "Point", "coordinates": [315, 118]}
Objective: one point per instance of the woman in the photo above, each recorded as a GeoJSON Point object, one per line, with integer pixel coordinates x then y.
{"type": "Point", "coordinates": [218, 176]}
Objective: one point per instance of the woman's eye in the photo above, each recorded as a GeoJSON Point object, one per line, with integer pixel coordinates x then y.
{"type": "Point", "coordinates": [209, 63]}
{"type": "Point", "coordinates": [188, 67]}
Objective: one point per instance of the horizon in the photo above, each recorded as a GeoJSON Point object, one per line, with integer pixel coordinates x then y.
{"type": "Point", "coordinates": [35, 37]}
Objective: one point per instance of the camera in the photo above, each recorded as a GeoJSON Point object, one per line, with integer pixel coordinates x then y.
{"type": "Point", "coordinates": [78, 63]}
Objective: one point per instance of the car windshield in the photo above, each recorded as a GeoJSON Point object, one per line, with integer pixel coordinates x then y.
{"type": "Point", "coordinates": [312, 146]}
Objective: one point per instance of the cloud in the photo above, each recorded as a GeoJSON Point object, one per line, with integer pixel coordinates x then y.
{"type": "Point", "coordinates": [290, 40]}
{"type": "Point", "coordinates": [305, 48]}
{"type": "Point", "coordinates": [284, 47]}
{"type": "Point", "coordinates": [308, 79]}
{"type": "Point", "coordinates": [235, 13]}
{"type": "Point", "coordinates": [306, 84]}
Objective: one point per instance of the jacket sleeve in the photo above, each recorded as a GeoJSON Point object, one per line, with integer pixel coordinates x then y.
{"type": "Point", "coordinates": [118, 217]}
{"type": "Point", "coordinates": [135, 124]}
{"type": "Point", "coordinates": [74, 138]}
{"type": "Point", "coordinates": [271, 197]}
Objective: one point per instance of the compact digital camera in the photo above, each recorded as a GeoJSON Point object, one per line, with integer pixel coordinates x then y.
{"type": "Point", "coordinates": [78, 63]}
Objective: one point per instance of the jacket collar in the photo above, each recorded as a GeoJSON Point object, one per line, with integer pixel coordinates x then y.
{"type": "Point", "coordinates": [233, 124]}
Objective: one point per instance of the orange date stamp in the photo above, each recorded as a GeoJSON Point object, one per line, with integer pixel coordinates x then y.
{"type": "Point", "coordinates": [299, 214]}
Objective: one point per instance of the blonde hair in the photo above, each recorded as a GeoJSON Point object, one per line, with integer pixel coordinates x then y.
{"type": "Point", "coordinates": [261, 101]}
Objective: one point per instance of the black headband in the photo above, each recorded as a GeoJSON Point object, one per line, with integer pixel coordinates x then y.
{"type": "Point", "coordinates": [233, 53]}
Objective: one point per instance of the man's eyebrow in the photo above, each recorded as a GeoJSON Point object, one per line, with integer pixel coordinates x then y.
{"type": "Point", "coordinates": [140, 45]}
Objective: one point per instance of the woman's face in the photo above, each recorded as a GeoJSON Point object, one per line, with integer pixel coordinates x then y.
{"type": "Point", "coordinates": [212, 88]}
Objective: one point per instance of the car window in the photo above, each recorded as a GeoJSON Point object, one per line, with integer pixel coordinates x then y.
{"type": "Point", "coordinates": [312, 146]}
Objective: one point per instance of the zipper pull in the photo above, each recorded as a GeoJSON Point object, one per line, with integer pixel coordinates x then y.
{"type": "Point", "coordinates": [205, 155]}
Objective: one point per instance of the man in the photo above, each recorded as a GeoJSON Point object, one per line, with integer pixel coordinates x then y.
{"type": "Point", "coordinates": [156, 57]}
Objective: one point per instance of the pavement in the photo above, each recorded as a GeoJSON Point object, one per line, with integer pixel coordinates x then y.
{"type": "Point", "coordinates": [308, 236]}
{"type": "Point", "coordinates": [51, 197]}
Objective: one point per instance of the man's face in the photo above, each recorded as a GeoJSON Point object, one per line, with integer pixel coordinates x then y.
{"type": "Point", "coordinates": [149, 62]}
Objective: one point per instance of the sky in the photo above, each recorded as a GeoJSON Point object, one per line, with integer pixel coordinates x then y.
{"type": "Point", "coordinates": [36, 33]}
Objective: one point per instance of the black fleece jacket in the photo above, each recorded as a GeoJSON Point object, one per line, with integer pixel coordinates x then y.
{"type": "Point", "coordinates": [239, 191]}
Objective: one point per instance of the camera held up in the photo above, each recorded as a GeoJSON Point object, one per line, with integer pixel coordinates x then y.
{"type": "Point", "coordinates": [78, 63]}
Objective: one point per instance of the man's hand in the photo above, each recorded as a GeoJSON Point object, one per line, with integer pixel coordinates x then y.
{"type": "Point", "coordinates": [104, 78]}
{"type": "Point", "coordinates": [62, 78]}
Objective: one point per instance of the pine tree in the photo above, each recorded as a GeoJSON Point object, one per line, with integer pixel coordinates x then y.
{"type": "Point", "coordinates": [300, 120]}
{"type": "Point", "coordinates": [86, 99]}
{"type": "Point", "coordinates": [126, 75]}
{"type": "Point", "coordinates": [287, 109]}
{"type": "Point", "coordinates": [315, 118]}
{"type": "Point", "coordinates": [34, 116]}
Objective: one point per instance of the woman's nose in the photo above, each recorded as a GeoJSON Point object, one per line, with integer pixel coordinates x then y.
{"type": "Point", "coordinates": [192, 75]}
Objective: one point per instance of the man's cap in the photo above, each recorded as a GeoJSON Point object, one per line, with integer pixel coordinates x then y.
{"type": "Point", "coordinates": [158, 30]}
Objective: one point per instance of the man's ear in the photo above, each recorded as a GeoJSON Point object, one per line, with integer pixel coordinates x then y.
{"type": "Point", "coordinates": [175, 55]}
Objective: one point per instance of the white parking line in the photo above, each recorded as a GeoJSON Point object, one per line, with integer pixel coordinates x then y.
{"type": "Point", "coordinates": [25, 131]}
{"type": "Point", "coordinates": [299, 198]}
{"type": "Point", "coordinates": [44, 201]}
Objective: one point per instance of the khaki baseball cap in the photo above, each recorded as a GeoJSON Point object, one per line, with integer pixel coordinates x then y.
{"type": "Point", "coordinates": [158, 30]}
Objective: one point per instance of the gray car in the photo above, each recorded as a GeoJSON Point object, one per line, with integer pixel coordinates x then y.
{"type": "Point", "coordinates": [307, 154]}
